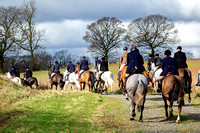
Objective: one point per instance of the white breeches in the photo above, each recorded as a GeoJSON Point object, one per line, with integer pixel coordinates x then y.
{"type": "Point", "coordinates": [121, 67]}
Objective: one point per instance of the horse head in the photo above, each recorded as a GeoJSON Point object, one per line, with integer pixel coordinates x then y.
{"type": "Point", "coordinates": [153, 67]}
{"type": "Point", "coordinates": [8, 75]}
{"type": "Point", "coordinates": [50, 71]}
{"type": "Point", "coordinates": [77, 69]}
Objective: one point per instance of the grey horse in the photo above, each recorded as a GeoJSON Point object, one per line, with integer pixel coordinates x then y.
{"type": "Point", "coordinates": [136, 90]}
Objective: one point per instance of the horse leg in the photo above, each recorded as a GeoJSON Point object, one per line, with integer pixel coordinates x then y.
{"type": "Point", "coordinates": [106, 88]}
{"type": "Point", "coordinates": [132, 107]}
{"type": "Point", "coordinates": [179, 113]}
{"type": "Point", "coordinates": [80, 84]}
{"type": "Point", "coordinates": [84, 86]}
{"type": "Point", "coordinates": [166, 109]}
{"type": "Point", "coordinates": [72, 87]}
{"type": "Point", "coordinates": [142, 108]}
{"type": "Point", "coordinates": [170, 109]}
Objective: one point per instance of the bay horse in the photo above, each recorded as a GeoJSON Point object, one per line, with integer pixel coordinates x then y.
{"type": "Point", "coordinates": [56, 79]}
{"type": "Point", "coordinates": [122, 77]}
{"type": "Point", "coordinates": [137, 89]}
{"type": "Point", "coordinates": [30, 81]}
{"type": "Point", "coordinates": [186, 80]}
{"type": "Point", "coordinates": [14, 79]}
{"type": "Point", "coordinates": [87, 77]}
{"type": "Point", "coordinates": [172, 90]}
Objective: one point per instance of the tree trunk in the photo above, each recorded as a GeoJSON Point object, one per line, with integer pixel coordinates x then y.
{"type": "Point", "coordinates": [34, 66]}
{"type": "Point", "coordinates": [1, 63]}
{"type": "Point", "coordinates": [152, 52]}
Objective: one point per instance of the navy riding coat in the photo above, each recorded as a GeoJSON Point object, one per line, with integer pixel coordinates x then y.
{"type": "Point", "coordinates": [133, 59]}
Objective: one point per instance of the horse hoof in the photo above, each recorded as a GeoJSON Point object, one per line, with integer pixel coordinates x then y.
{"type": "Point", "coordinates": [140, 120]}
{"type": "Point", "coordinates": [127, 99]}
{"type": "Point", "coordinates": [166, 118]}
{"type": "Point", "coordinates": [189, 101]}
{"type": "Point", "coordinates": [132, 119]}
{"type": "Point", "coordinates": [178, 121]}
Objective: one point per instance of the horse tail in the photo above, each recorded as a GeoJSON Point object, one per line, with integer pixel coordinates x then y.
{"type": "Point", "coordinates": [92, 79]}
{"type": "Point", "coordinates": [140, 95]}
{"type": "Point", "coordinates": [175, 92]}
{"type": "Point", "coordinates": [36, 82]}
{"type": "Point", "coordinates": [111, 81]}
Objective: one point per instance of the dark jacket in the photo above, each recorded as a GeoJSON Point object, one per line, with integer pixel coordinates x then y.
{"type": "Point", "coordinates": [70, 67]}
{"type": "Point", "coordinates": [141, 63]}
{"type": "Point", "coordinates": [133, 59]}
{"type": "Point", "coordinates": [13, 72]}
{"type": "Point", "coordinates": [97, 61]}
{"type": "Point", "coordinates": [104, 66]}
{"type": "Point", "coordinates": [180, 59]}
{"type": "Point", "coordinates": [28, 74]}
{"type": "Point", "coordinates": [56, 68]}
{"type": "Point", "coordinates": [84, 65]}
{"type": "Point", "coordinates": [158, 61]}
{"type": "Point", "coordinates": [150, 61]}
{"type": "Point", "coordinates": [169, 65]}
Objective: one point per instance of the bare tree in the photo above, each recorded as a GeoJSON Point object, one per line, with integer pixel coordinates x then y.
{"type": "Point", "coordinates": [104, 36]}
{"type": "Point", "coordinates": [153, 33]}
{"type": "Point", "coordinates": [189, 55]}
{"type": "Point", "coordinates": [31, 36]}
{"type": "Point", "coordinates": [9, 22]}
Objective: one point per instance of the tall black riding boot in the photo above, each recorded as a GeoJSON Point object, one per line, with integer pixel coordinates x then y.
{"type": "Point", "coordinates": [159, 86]}
{"type": "Point", "coordinates": [119, 78]}
{"type": "Point", "coordinates": [126, 78]}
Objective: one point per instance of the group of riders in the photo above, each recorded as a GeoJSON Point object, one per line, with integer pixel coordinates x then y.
{"type": "Point", "coordinates": [133, 60]}
{"type": "Point", "coordinates": [14, 73]}
{"type": "Point", "coordinates": [135, 63]}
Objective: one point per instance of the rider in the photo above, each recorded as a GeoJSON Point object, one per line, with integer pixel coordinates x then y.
{"type": "Point", "coordinates": [70, 68]}
{"type": "Point", "coordinates": [28, 73]}
{"type": "Point", "coordinates": [103, 67]}
{"type": "Point", "coordinates": [180, 58]}
{"type": "Point", "coordinates": [168, 66]}
{"type": "Point", "coordinates": [133, 65]}
{"type": "Point", "coordinates": [123, 60]}
{"type": "Point", "coordinates": [157, 61]}
{"type": "Point", "coordinates": [150, 61]}
{"type": "Point", "coordinates": [56, 69]}
{"type": "Point", "coordinates": [13, 71]}
{"type": "Point", "coordinates": [97, 63]}
{"type": "Point", "coordinates": [83, 65]}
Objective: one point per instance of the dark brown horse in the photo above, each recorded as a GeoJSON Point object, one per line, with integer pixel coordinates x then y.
{"type": "Point", "coordinates": [87, 77]}
{"type": "Point", "coordinates": [187, 80]}
{"type": "Point", "coordinates": [30, 81]}
{"type": "Point", "coordinates": [122, 76]}
{"type": "Point", "coordinates": [57, 79]}
{"type": "Point", "coordinates": [172, 90]}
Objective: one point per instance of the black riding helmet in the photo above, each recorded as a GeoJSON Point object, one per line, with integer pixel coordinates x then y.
{"type": "Point", "coordinates": [125, 48]}
{"type": "Point", "coordinates": [167, 52]}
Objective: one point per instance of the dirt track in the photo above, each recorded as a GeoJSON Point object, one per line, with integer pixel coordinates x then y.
{"type": "Point", "coordinates": [153, 116]}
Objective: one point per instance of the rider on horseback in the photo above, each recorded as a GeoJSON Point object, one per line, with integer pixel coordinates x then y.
{"type": "Point", "coordinates": [150, 61]}
{"type": "Point", "coordinates": [123, 60]}
{"type": "Point", "coordinates": [168, 66]}
{"type": "Point", "coordinates": [56, 69]}
{"type": "Point", "coordinates": [97, 63]}
{"type": "Point", "coordinates": [83, 65]}
{"type": "Point", "coordinates": [180, 58]}
{"type": "Point", "coordinates": [133, 65]}
{"type": "Point", "coordinates": [28, 73]}
{"type": "Point", "coordinates": [70, 68]}
{"type": "Point", "coordinates": [103, 68]}
{"type": "Point", "coordinates": [13, 71]}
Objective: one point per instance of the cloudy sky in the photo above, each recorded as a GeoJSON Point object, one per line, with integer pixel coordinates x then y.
{"type": "Point", "coordinates": [65, 21]}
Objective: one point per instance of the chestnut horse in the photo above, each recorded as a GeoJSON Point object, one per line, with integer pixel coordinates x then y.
{"type": "Point", "coordinates": [87, 77]}
{"type": "Point", "coordinates": [187, 80]}
{"type": "Point", "coordinates": [172, 90]}
{"type": "Point", "coordinates": [56, 79]}
{"type": "Point", "coordinates": [122, 77]}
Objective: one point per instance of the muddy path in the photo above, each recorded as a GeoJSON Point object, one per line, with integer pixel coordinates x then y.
{"type": "Point", "coordinates": [154, 113]}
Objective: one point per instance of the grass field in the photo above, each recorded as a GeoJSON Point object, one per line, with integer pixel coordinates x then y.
{"type": "Point", "coordinates": [44, 110]}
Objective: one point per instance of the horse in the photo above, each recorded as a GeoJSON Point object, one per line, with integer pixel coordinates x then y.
{"type": "Point", "coordinates": [172, 90]}
{"type": "Point", "coordinates": [136, 87]}
{"type": "Point", "coordinates": [186, 80]}
{"type": "Point", "coordinates": [72, 79]}
{"type": "Point", "coordinates": [56, 79]}
{"type": "Point", "coordinates": [122, 77]}
{"type": "Point", "coordinates": [106, 79]}
{"type": "Point", "coordinates": [14, 79]}
{"type": "Point", "coordinates": [30, 81]}
{"type": "Point", "coordinates": [154, 74]}
{"type": "Point", "coordinates": [87, 77]}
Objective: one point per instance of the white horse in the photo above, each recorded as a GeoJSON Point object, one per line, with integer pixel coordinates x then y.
{"type": "Point", "coordinates": [106, 79]}
{"type": "Point", "coordinates": [136, 87]}
{"type": "Point", "coordinates": [72, 79]}
{"type": "Point", "coordinates": [156, 71]}
{"type": "Point", "coordinates": [14, 79]}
